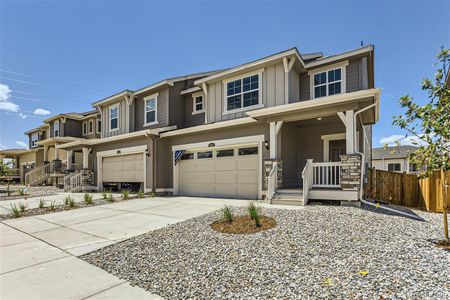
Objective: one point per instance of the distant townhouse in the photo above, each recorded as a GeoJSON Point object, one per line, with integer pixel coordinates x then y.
{"type": "Point", "coordinates": [394, 159]}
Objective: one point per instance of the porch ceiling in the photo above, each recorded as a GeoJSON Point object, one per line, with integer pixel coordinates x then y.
{"type": "Point", "coordinates": [322, 107]}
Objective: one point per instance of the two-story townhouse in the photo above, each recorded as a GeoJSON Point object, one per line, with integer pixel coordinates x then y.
{"type": "Point", "coordinates": [43, 162]}
{"type": "Point", "coordinates": [284, 124]}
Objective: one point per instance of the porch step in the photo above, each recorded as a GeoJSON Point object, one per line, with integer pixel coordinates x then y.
{"type": "Point", "coordinates": [290, 191]}
{"type": "Point", "coordinates": [288, 197]}
{"type": "Point", "coordinates": [89, 188]}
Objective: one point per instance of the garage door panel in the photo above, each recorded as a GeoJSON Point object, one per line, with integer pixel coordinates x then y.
{"type": "Point", "coordinates": [188, 166]}
{"type": "Point", "coordinates": [226, 164]}
{"type": "Point", "coordinates": [206, 178]}
{"type": "Point", "coordinates": [226, 190]}
{"type": "Point", "coordinates": [248, 177]}
{"type": "Point", "coordinates": [226, 177]}
{"type": "Point", "coordinates": [247, 162]}
{"type": "Point", "coordinates": [188, 178]}
{"type": "Point", "coordinates": [205, 165]}
{"type": "Point", "coordinates": [244, 191]}
{"type": "Point", "coordinates": [123, 168]}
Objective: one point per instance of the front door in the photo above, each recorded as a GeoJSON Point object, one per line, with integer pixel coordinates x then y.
{"type": "Point", "coordinates": [337, 147]}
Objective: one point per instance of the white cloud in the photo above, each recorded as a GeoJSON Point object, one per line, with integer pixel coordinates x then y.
{"type": "Point", "coordinates": [22, 116]}
{"type": "Point", "coordinates": [399, 139]}
{"type": "Point", "coordinates": [41, 112]}
{"type": "Point", "coordinates": [5, 104]}
{"type": "Point", "coordinates": [21, 144]}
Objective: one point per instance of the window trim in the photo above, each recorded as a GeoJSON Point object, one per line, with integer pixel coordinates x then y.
{"type": "Point", "coordinates": [91, 126]}
{"type": "Point", "coordinates": [85, 132]}
{"type": "Point", "coordinates": [54, 128]}
{"type": "Point", "coordinates": [34, 141]}
{"type": "Point", "coordinates": [242, 109]}
{"type": "Point", "coordinates": [145, 99]}
{"type": "Point", "coordinates": [111, 107]}
{"type": "Point", "coordinates": [342, 65]}
{"type": "Point", "coordinates": [194, 104]}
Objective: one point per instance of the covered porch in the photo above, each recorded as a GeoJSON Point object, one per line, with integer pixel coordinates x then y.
{"type": "Point", "coordinates": [318, 148]}
{"type": "Point", "coordinates": [21, 161]}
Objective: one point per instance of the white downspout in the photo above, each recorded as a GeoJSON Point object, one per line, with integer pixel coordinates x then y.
{"type": "Point", "coordinates": [363, 168]}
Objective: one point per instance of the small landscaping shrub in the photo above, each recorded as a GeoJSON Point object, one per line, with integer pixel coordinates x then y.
{"type": "Point", "coordinates": [15, 210]}
{"type": "Point", "coordinates": [72, 202]}
{"type": "Point", "coordinates": [255, 213]}
{"type": "Point", "coordinates": [152, 194]}
{"type": "Point", "coordinates": [23, 206]}
{"type": "Point", "coordinates": [21, 192]}
{"type": "Point", "coordinates": [125, 194]}
{"type": "Point", "coordinates": [228, 214]}
{"type": "Point", "coordinates": [88, 198]}
{"type": "Point", "coordinates": [110, 198]}
{"type": "Point", "coordinates": [105, 194]}
{"type": "Point", "coordinates": [67, 200]}
{"type": "Point", "coordinates": [52, 205]}
{"type": "Point", "coordinates": [41, 203]}
{"type": "Point", "coordinates": [141, 194]}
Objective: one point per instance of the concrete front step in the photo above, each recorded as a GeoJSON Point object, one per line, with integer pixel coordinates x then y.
{"type": "Point", "coordinates": [290, 191]}
{"type": "Point", "coordinates": [297, 202]}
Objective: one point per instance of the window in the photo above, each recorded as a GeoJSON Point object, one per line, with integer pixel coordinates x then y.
{"type": "Point", "coordinates": [114, 118]}
{"type": "Point", "coordinates": [413, 168]}
{"type": "Point", "coordinates": [243, 93]}
{"type": "Point", "coordinates": [197, 103]}
{"type": "Point", "coordinates": [248, 151]}
{"type": "Point", "coordinates": [150, 103]}
{"type": "Point", "coordinates": [225, 153]}
{"type": "Point", "coordinates": [99, 125]}
{"type": "Point", "coordinates": [394, 167]}
{"type": "Point", "coordinates": [328, 81]}
{"type": "Point", "coordinates": [206, 154]}
{"type": "Point", "coordinates": [187, 156]}
{"type": "Point", "coordinates": [91, 126]}
{"type": "Point", "coordinates": [34, 139]}
{"type": "Point", "coordinates": [84, 128]}
{"type": "Point", "coordinates": [56, 128]}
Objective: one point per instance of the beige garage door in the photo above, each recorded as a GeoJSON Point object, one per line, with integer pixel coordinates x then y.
{"type": "Point", "coordinates": [123, 168]}
{"type": "Point", "coordinates": [226, 173]}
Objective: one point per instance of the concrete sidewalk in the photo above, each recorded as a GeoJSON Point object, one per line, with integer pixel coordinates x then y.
{"type": "Point", "coordinates": [39, 254]}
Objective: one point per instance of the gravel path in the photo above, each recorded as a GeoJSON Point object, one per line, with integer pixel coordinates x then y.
{"type": "Point", "coordinates": [315, 253]}
{"type": "Point", "coordinates": [31, 191]}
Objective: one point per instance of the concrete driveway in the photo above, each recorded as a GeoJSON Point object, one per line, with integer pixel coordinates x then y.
{"type": "Point", "coordinates": [39, 254]}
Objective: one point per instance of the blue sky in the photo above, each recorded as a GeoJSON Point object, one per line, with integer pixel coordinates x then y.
{"type": "Point", "coordinates": [62, 56]}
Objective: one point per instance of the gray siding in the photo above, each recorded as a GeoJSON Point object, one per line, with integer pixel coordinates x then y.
{"type": "Point", "coordinates": [72, 128]}
{"type": "Point", "coordinates": [162, 110]}
{"type": "Point", "coordinates": [123, 119]}
{"type": "Point", "coordinates": [177, 105]}
{"type": "Point", "coordinates": [189, 118]}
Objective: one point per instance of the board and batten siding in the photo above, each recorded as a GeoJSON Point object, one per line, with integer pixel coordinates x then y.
{"type": "Point", "coordinates": [189, 118]}
{"type": "Point", "coordinates": [272, 94]}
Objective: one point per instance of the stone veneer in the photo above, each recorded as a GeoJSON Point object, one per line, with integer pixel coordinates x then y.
{"type": "Point", "coordinates": [350, 172]}
{"type": "Point", "coordinates": [267, 167]}
{"type": "Point", "coordinates": [87, 177]}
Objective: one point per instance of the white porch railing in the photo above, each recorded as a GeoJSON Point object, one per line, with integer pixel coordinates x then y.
{"type": "Point", "coordinates": [38, 175]}
{"type": "Point", "coordinates": [72, 182]}
{"type": "Point", "coordinates": [307, 176]}
{"type": "Point", "coordinates": [326, 174]}
{"type": "Point", "coordinates": [272, 182]}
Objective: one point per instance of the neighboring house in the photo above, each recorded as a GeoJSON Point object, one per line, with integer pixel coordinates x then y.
{"type": "Point", "coordinates": [43, 153]}
{"type": "Point", "coordinates": [394, 159]}
{"type": "Point", "coordinates": [270, 127]}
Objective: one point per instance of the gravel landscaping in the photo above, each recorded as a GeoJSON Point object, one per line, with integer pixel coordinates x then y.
{"type": "Point", "coordinates": [31, 191]}
{"type": "Point", "coordinates": [327, 252]}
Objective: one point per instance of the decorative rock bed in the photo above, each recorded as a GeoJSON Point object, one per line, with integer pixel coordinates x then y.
{"type": "Point", "coordinates": [317, 252]}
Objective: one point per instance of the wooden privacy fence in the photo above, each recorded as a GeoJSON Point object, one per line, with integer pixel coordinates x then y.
{"type": "Point", "coordinates": [407, 189]}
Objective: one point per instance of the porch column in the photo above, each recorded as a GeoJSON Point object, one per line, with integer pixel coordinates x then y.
{"type": "Point", "coordinates": [275, 128]}
{"type": "Point", "coordinates": [349, 132]}
{"type": "Point", "coordinates": [56, 152]}
{"type": "Point", "coordinates": [85, 158]}
{"type": "Point", "coordinates": [69, 159]}
{"type": "Point", "coordinates": [45, 153]}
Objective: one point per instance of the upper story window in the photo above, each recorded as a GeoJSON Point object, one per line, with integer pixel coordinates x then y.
{"type": "Point", "coordinates": [198, 104]}
{"type": "Point", "coordinates": [91, 126]}
{"type": "Point", "coordinates": [85, 129]}
{"type": "Point", "coordinates": [114, 117]}
{"type": "Point", "coordinates": [34, 139]}
{"type": "Point", "coordinates": [56, 128]}
{"type": "Point", "coordinates": [151, 108]}
{"type": "Point", "coordinates": [328, 81]}
{"type": "Point", "coordinates": [99, 126]}
{"type": "Point", "coordinates": [243, 93]}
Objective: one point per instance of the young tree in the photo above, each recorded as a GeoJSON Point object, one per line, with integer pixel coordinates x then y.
{"type": "Point", "coordinates": [6, 171]}
{"type": "Point", "coordinates": [430, 125]}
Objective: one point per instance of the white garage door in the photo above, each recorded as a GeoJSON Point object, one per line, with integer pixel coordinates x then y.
{"type": "Point", "coordinates": [227, 173]}
{"type": "Point", "coordinates": [123, 168]}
